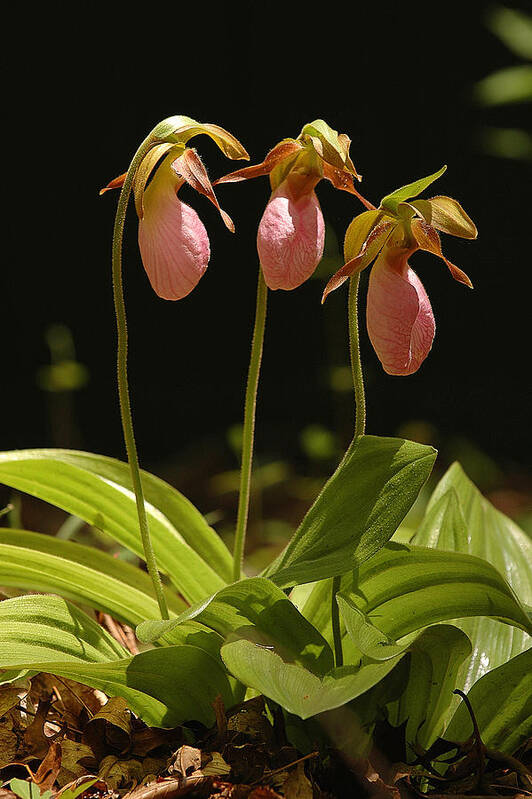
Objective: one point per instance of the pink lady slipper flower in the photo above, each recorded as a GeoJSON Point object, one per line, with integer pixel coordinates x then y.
{"type": "Point", "coordinates": [173, 241]}
{"type": "Point", "coordinates": [291, 233]}
{"type": "Point", "coordinates": [399, 316]}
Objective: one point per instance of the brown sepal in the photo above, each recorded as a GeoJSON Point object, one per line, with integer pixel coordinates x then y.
{"type": "Point", "coordinates": [428, 239]}
{"type": "Point", "coordinates": [281, 151]}
{"type": "Point", "coordinates": [190, 167]}
{"type": "Point", "coordinates": [360, 261]}
{"type": "Point", "coordinates": [117, 183]}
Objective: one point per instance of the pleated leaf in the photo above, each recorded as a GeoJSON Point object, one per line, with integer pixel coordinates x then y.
{"type": "Point", "coordinates": [357, 512]}
{"type": "Point", "coordinates": [38, 562]}
{"type": "Point", "coordinates": [164, 686]}
{"type": "Point", "coordinates": [459, 518]}
{"type": "Point", "coordinates": [98, 490]}
{"type": "Point", "coordinates": [502, 703]}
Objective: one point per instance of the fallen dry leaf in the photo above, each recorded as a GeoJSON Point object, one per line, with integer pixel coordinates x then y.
{"type": "Point", "coordinates": [185, 761]}
{"type": "Point", "coordinates": [8, 746]}
{"type": "Point", "coordinates": [110, 727]}
{"type": "Point", "coordinates": [46, 774]}
{"type": "Point", "coordinates": [297, 785]}
{"type": "Point", "coordinates": [76, 759]}
{"type": "Point", "coordinates": [11, 694]}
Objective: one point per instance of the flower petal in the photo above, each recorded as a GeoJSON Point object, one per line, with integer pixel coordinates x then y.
{"type": "Point", "coordinates": [290, 238]}
{"type": "Point", "coordinates": [172, 238]}
{"type": "Point", "coordinates": [399, 316]}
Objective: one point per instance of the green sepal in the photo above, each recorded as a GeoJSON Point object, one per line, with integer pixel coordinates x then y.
{"type": "Point", "coordinates": [331, 146]}
{"type": "Point", "coordinates": [391, 201]}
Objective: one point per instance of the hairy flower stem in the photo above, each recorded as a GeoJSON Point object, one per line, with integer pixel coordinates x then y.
{"type": "Point", "coordinates": [249, 426]}
{"type": "Point", "coordinates": [354, 350]}
{"type": "Point", "coordinates": [360, 427]}
{"type": "Point", "coordinates": [123, 387]}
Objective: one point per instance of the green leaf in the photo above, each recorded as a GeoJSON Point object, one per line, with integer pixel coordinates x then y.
{"type": "Point", "coordinates": [358, 510]}
{"type": "Point", "coordinates": [295, 688]}
{"type": "Point", "coordinates": [164, 686]}
{"type": "Point", "coordinates": [391, 201]}
{"type": "Point", "coordinates": [404, 588]}
{"type": "Point", "coordinates": [502, 703]}
{"type": "Point", "coordinates": [98, 490]}
{"type": "Point", "coordinates": [427, 702]}
{"type": "Point", "coordinates": [50, 628]}
{"type": "Point", "coordinates": [38, 562]}
{"type": "Point", "coordinates": [509, 85]}
{"type": "Point", "coordinates": [459, 518]}
{"type": "Point", "coordinates": [254, 604]}
{"type": "Point", "coordinates": [28, 790]}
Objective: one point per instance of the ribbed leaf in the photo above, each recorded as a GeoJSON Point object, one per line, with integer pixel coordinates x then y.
{"type": "Point", "coordinates": [98, 490]}
{"type": "Point", "coordinates": [295, 688]}
{"type": "Point", "coordinates": [164, 686]}
{"type": "Point", "coordinates": [502, 703]}
{"type": "Point", "coordinates": [358, 510]}
{"type": "Point", "coordinates": [256, 605]}
{"type": "Point", "coordinates": [459, 518]}
{"type": "Point", "coordinates": [427, 702]}
{"type": "Point", "coordinates": [404, 588]}
{"type": "Point", "coordinates": [35, 628]}
{"type": "Point", "coordinates": [38, 562]}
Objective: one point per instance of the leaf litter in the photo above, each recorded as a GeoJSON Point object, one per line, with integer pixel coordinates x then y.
{"type": "Point", "coordinates": [63, 740]}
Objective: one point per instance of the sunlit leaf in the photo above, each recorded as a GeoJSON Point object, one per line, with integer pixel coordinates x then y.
{"type": "Point", "coordinates": [98, 489]}
{"type": "Point", "coordinates": [38, 562]}
{"type": "Point", "coordinates": [458, 517]}
{"type": "Point", "coordinates": [358, 510]}
{"type": "Point", "coordinates": [502, 703]}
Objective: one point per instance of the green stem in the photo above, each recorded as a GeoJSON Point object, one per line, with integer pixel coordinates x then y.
{"type": "Point", "coordinates": [354, 350]}
{"type": "Point", "coordinates": [123, 388]}
{"type": "Point", "coordinates": [249, 426]}
{"type": "Point", "coordinates": [335, 617]}
{"type": "Point", "coordinates": [360, 427]}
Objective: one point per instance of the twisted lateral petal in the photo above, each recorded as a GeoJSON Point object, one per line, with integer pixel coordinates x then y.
{"type": "Point", "coordinates": [173, 241]}
{"type": "Point", "coordinates": [290, 238]}
{"type": "Point", "coordinates": [400, 321]}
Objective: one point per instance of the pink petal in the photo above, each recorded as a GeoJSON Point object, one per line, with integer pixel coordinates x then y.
{"type": "Point", "coordinates": [172, 238]}
{"type": "Point", "coordinates": [400, 321]}
{"type": "Point", "coordinates": [290, 238]}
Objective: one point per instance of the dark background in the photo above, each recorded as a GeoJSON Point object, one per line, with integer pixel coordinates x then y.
{"type": "Point", "coordinates": [86, 84]}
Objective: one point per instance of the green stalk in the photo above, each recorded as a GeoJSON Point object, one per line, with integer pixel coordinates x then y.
{"type": "Point", "coordinates": [354, 350]}
{"type": "Point", "coordinates": [249, 426]}
{"type": "Point", "coordinates": [123, 387]}
{"type": "Point", "coordinates": [360, 427]}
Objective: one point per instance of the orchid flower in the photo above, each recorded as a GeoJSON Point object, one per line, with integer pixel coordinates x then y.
{"type": "Point", "coordinates": [291, 233]}
{"type": "Point", "coordinates": [173, 241]}
{"type": "Point", "coordinates": [399, 316]}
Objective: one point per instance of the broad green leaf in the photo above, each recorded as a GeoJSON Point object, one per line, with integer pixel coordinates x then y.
{"type": "Point", "coordinates": [358, 510]}
{"type": "Point", "coordinates": [502, 703]}
{"type": "Point", "coordinates": [404, 588]}
{"type": "Point", "coordinates": [164, 686]}
{"type": "Point", "coordinates": [295, 688]}
{"type": "Point", "coordinates": [255, 604]}
{"type": "Point", "coordinates": [427, 702]}
{"type": "Point", "coordinates": [38, 562]}
{"type": "Point", "coordinates": [50, 628]}
{"type": "Point", "coordinates": [459, 518]}
{"type": "Point", "coordinates": [391, 201]}
{"type": "Point", "coordinates": [514, 28]}
{"type": "Point", "coordinates": [98, 490]}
